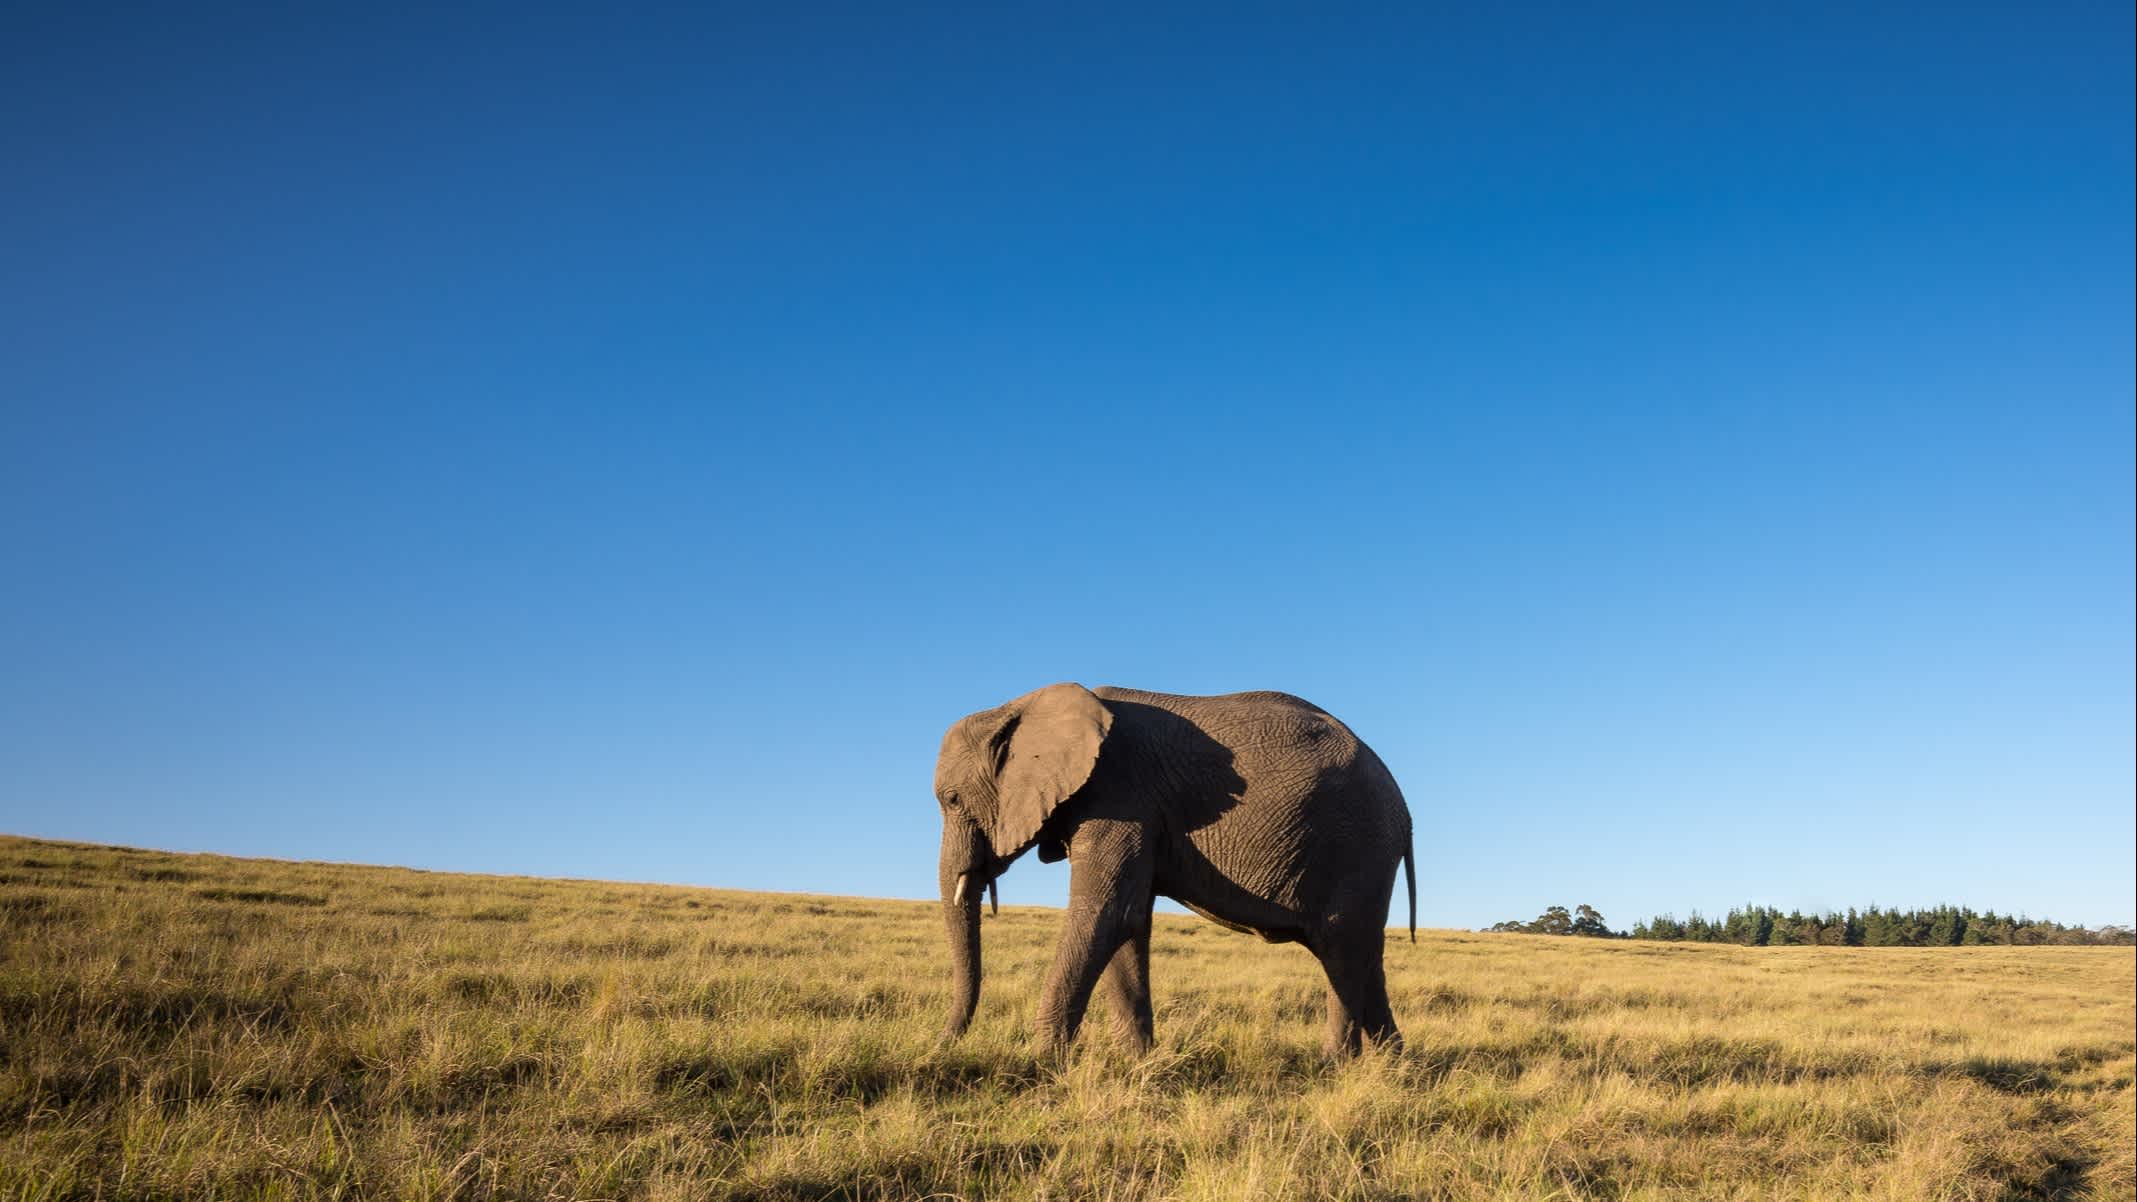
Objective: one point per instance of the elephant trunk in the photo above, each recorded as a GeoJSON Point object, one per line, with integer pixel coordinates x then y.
{"type": "Point", "coordinates": [962, 880]}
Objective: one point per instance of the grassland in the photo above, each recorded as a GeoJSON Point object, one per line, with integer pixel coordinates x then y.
{"type": "Point", "coordinates": [195, 1026]}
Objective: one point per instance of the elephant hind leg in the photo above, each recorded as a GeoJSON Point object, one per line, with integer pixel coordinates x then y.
{"type": "Point", "coordinates": [1358, 1007]}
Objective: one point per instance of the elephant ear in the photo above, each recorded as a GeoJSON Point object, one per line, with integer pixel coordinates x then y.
{"type": "Point", "coordinates": [1047, 751]}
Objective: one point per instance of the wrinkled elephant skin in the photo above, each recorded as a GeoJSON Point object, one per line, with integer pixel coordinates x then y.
{"type": "Point", "coordinates": [1257, 811]}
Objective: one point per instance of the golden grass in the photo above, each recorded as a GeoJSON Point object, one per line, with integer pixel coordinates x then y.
{"type": "Point", "coordinates": [196, 1026]}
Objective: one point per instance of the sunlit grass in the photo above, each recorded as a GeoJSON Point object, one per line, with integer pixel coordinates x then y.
{"type": "Point", "coordinates": [194, 1026]}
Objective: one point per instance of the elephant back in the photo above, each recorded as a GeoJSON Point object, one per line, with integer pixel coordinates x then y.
{"type": "Point", "coordinates": [1263, 791]}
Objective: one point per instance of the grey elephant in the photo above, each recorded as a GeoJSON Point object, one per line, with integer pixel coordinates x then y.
{"type": "Point", "coordinates": [1257, 811]}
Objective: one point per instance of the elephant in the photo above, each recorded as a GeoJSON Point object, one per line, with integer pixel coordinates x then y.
{"type": "Point", "coordinates": [1258, 811]}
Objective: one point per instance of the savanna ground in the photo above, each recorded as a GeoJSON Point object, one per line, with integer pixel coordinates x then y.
{"type": "Point", "coordinates": [194, 1026]}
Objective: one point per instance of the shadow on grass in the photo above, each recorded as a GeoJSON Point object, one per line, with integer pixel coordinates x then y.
{"type": "Point", "coordinates": [35, 909]}
{"type": "Point", "coordinates": [2020, 1077]}
{"type": "Point", "coordinates": [166, 874]}
{"type": "Point", "coordinates": [985, 1170]}
{"type": "Point", "coordinates": [141, 1009]}
{"type": "Point", "coordinates": [271, 897]}
{"type": "Point", "coordinates": [783, 1072]}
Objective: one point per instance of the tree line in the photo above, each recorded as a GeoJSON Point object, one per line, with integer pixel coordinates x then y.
{"type": "Point", "coordinates": [1766, 926]}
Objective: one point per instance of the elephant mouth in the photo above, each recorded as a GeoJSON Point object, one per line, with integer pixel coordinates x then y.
{"type": "Point", "coordinates": [964, 886]}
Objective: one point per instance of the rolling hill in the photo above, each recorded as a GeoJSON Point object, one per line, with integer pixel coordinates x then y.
{"type": "Point", "coordinates": [191, 1026]}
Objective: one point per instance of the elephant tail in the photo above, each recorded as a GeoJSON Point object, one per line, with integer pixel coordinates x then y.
{"type": "Point", "coordinates": [1409, 877]}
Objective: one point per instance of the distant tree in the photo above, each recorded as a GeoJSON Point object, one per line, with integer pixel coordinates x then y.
{"type": "Point", "coordinates": [1937, 926]}
{"type": "Point", "coordinates": [1792, 930]}
{"type": "Point", "coordinates": [1878, 929]}
{"type": "Point", "coordinates": [1588, 921]}
{"type": "Point", "coordinates": [1557, 920]}
{"type": "Point", "coordinates": [1751, 926]}
{"type": "Point", "coordinates": [1662, 927]}
{"type": "Point", "coordinates": [1913, 928]}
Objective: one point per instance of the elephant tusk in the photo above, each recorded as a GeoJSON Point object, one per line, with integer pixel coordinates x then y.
{"type": "Point", "coordinates": [958, 898]}
{"type": "Point", "coordinates": [994, 899]}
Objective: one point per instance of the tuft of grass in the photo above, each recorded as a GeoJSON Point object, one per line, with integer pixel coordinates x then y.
{"type": "Point", "coordinates": [197, 1026]}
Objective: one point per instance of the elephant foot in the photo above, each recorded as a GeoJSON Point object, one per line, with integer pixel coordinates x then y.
{"type": "Point", "coordinates": [1358, 1042]}
{"type": "Point", "coordinates": [1052, 1043]}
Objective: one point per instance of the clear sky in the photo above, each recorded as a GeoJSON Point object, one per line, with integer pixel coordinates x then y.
{"type": "Point", "coordinates": [1692, 444]}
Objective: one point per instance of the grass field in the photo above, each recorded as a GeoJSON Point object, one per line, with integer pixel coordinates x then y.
{"type": "Point", "coordinates": [194, 1026]}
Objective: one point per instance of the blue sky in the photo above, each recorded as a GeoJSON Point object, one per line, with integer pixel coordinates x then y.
{"type": "Point", "coordinates": [1692, 444]}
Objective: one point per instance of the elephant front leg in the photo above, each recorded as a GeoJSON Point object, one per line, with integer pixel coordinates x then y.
{"type": "Point", "coordinates": [1127, 985]}
{"type": "Point", "coordinates": [1109, 888]}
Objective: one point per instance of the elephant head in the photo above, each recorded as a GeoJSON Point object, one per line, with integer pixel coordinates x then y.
{"type": "Point", "coordinates": [1001, 773]}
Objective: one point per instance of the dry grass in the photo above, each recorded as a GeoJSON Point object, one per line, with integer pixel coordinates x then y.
{"type": "Point", "coordinates": [193, 1026]}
